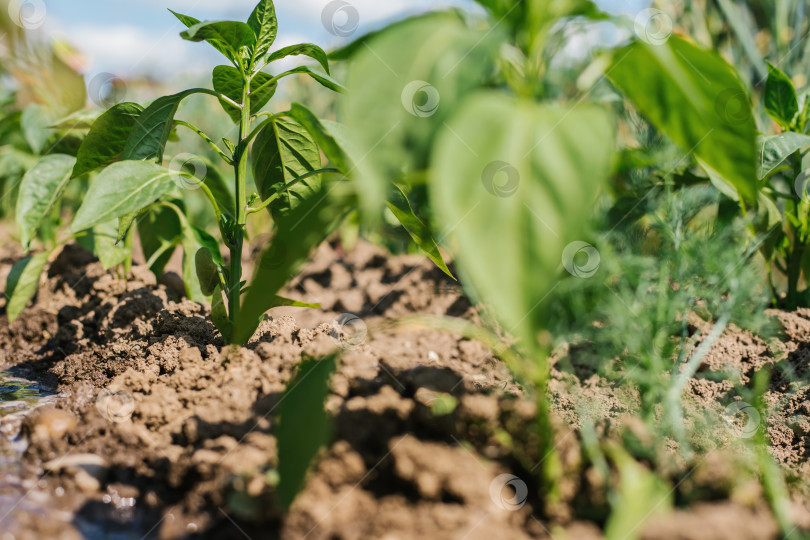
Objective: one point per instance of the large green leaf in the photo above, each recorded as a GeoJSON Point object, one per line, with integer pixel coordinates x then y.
{"type": "Point", "coordinates": [35, 123]}
{"type": "Point", "coordinates": [329, 136]}
{"type": "Point", "coordinates": [122, 188]}
{"type": "Point", "coordinates": [297, 234]}
{"type": "Point", "coordinates": [302, 405]}
{"type": "Point", "coordinates": [780, 99]}
{"type": "Point", "coordinates": [22, 283]}
{"type": "Point", "coordinates": [228, 81]}
{"type": "Point", "coordinates": [264, 24]}
{"type": "Point", "coordinates": [225, 36]}
{"type": "Point", "coordinates": [420, 233]}
{"type": "Point", "coordinates": [107, 138]}
{"type": "Point", "coordinates": [282, 152]}
{"type": "Point", "coordinates": [149, 135]}
{"type": "Point", "coordinates": [40, 191]}
{"type": "Point", "coordinates": [774, 149]}
{"type": "Point", "coordinates": [421, 70]}
{"type": "Point", "coordinates": [694, 97]}
{"type": "Point", "coordinates": [160, 231]}
{"type": "Point", "coordinates": [513, 184]}
{"type": "Point", "coordinates": [101, 241]}
{"type": "Point", "coordinates": [306, 49]}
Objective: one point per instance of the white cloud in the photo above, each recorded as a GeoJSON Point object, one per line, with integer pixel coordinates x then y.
{"type": "Point", "coordinates": [126, 50]}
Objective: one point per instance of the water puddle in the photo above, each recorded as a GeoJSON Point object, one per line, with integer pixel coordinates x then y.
{"type": "Point", "coordinates": [18, 397]}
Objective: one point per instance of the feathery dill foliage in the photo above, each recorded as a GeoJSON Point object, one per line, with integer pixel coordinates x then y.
{"type": "Point", "coordinates": [665, 280]}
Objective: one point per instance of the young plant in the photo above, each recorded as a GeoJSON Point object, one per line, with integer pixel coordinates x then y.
{"type": "Point", "coordinates": [128, 142]}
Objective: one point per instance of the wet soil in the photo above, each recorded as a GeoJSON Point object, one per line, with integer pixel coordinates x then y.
{"type": "Point", "coordinates": [156, 430]}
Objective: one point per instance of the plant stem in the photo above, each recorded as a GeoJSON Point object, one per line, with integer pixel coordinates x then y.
{"type": "Point", "coordinates": [240, 167]}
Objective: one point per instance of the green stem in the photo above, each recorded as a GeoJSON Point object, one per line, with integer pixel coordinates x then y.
{"type": "Point", "coordinates": [207, 192]}
{"type": "Point", "coordinates": [240, 168]}
{"type": "Point", "coordinates": [285, 187]}
{"type": "Point", "coordinates": [207, 139]}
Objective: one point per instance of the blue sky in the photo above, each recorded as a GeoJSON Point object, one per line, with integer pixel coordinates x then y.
{"type": "Point", "coordinates": [140, 37]}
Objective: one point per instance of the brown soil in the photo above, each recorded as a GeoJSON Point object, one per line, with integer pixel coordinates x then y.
{"type": "Point", "coordinates": [157, 431]}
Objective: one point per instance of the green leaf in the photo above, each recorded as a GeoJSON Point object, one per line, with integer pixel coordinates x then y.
{"type": "Point", "coordinates": [513, 184]}
{"type": "Point", "coordinates": [228, 81]}
{"type": "Point", "coordinates": [125, 223]}
{"type": "Point", "coordinates": [329, 136]}
{"type": "Point", "coordinates": [283, 301]}
{"type": "Point", "coordinates": [640, 495]}
{"type": "Point", "coordinates": [159, 231]}
{"type": "Point", "coordinates": [40, 192]}
{"type": "Point", "coordinates": [694, 97]}
{"type": "Point", "coordinates": [282, 152]}
{"type": "Point", "coordinates": [101, 241]}
{"type": "Point", "coordinates": [206, 240]}
{"type": "Point", "coordinates": [206, 271]}
{"type": "Point", "coordinates": [324, 79]}
{"type": "Point", "coordinates": [79, 120]}
{"type": "Point", "coordinates": [306, 49]}
{"type": "Point", "coordinates": [35, 123]}
{"type": "Point", "coordinates": [22, 283]}
{"type": "Point", "coordinates": [781, 102]}
{"type": "Point", "coordinates": [219, 315]}
{"type": "Point", "coordinates": [107, 138]}
{"type": "Point", "coordinates": [120, 189]}
{"type": "Point", "coordinates": [297, 235]}
{"type": "Point", "coordinates": [187, 20]}
{"type": "Point", "coordinates": [393, 123]}
{"type": "Point", "coordinates": [774, 149]}
{"type": "Point", "coordinates": [148, 137]}
{"type": "Point", "coordinates": [302, 405]}
{"type": "Point", "coordinates": [190, 245]}
{"type": "Point", "coordinates": [225, 36]}
{"type": "Point", "coordinates": [264, 24]}
{"type": "Point", "coordinates": [402, 210]}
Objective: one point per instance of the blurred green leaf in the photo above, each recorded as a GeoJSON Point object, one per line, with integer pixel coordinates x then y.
{"type": "Point", "coordinates": [420, 233]}
{"type": "Point", "coordinates": [694, 97]}
{"type": "Point", "coordinates": [513, 183]}
{"type": "Point", "coordinates": [41, 190]}
{"type": "Point", "coordinates": [421, 69]}
{"type": "Point", "coordinates": [304, 425]}
{"type": "Point", "coordinates": [22, 283]}
{"type": "Point", "coordinates": [640, 495]}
